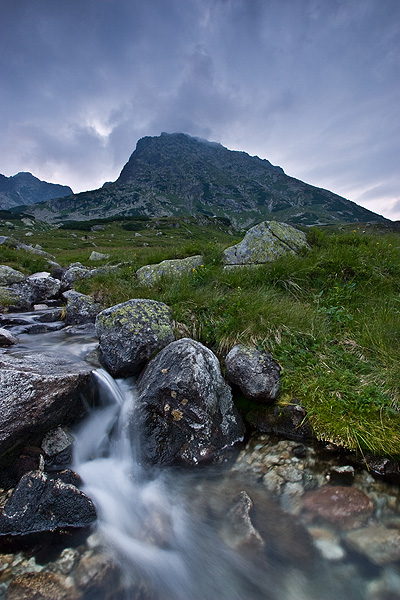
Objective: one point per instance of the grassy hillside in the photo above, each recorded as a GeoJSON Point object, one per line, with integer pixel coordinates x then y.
{"type": "Point", "coordinates": [330, 316]}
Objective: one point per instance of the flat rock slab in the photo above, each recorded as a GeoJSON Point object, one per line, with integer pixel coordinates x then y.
{"type": "Point", "coordinates": [38, 391]}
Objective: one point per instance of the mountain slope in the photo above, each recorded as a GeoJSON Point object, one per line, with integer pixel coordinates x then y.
{"type": "Point", "coordinates": [175, 174]}
{"type": "Point", "coordinates": [25, 189]}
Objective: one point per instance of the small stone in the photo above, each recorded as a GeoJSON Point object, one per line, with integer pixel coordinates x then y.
{"type": "Point", "coordinates": [7, 338]}
{"type": "Point", "coordinates": [341, 475]}
{"type": "Point", "coordinates": [41, 586]}
{"type": "Point", "coordinates": [346, 507]}
{"type": "Point", "coordinates": [379, 544]}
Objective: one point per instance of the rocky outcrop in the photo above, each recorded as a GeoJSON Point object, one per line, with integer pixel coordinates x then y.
{"type": "Point", "coordinates": [24, 188]}
{"type": "Point", "coordinates": [265, 243]}
{"type": "Point", "coordinates": [80, 308]}
{"type": "Point", "coordinates": [131, 332]}
{"type": "Point", "coordinates": [43, 503]}
{"type": "Point", "coordinates": [38, 391]}
{"type": "Point", "coordinates": [150, 274]}
{"type": "Point", "coordinates": [255, 372]}
{"type": "Point", "coordinates": [185, 408]}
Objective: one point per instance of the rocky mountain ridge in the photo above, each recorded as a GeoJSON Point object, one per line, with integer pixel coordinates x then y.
{"type": "Point", "coordinates": [25, 189]}
{"type": "Point", "coordinates": [177, 175]}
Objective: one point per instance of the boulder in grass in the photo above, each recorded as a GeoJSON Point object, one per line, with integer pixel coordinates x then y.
{"type": "Point", "coordinates": [9, 275]}
{"type": "Point", "coordinates": [150, 274]}
{"type": "Point", "coordinates": [265, 243]}
{"type": "Point", "coordinates": [185, 410]}
{"type": "Point", "coordinates": [255, 372]}
{"type": "Point", "coordinates": [131, 333]}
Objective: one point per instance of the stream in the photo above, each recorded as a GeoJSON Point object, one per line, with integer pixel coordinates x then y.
{"type": "Point", "coordinates": [232, 532]}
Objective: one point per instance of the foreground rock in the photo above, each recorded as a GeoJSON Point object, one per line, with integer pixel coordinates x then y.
{"type": "Point", "coordinates": [43, 503]}
{"type": "Point", "coordinates": [41, 586]}
{"type": "Point", "coordinates": [7, 338]}
{"type": "Point", "coordinates": [256, 373]}
{"type": "Point", "coordinates": [265, 243]}
{"type": "Point", "coordinates": [9, 275]}
{"type": "Point", "coordinates": [80, 308]}
{"type": "Point", "coordinates": [185, 407]}
{"type": "Point", "coordinates": [346, 507]}
{"type": "Point", "coordinates": [38, 391]}
{"type": "Point", "coordinates": [131, 332]}
{"type": "Point", "coordinates": [150, 274]}
{"type": "Point", "coordinates": [35, 289]}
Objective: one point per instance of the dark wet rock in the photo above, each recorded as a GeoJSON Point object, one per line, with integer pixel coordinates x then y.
{"type": "Point", "coordinates": [50, 315]}
{"type": "Point", "coordinates": [185, 407]}
{"type": "Point", "coordinates": [288, 420]}
{"type": "Point", "coordinates": [57, 447]}
{"type": "Point", "coordinates": [30, 459]}
{"type": "Point", "coordinates": [87, 329]}
{"type": "Point", "coordinates": [43, 503]}
{"type": "Point", "coordinates": [255, 372]}
{"type": "Point", "coordinates": [41, 586]}
{"type": "Point", "coordinates": [131, 332]}
{"type": "Point", "coordinates": [35, 328]}
{"type": "Point", "coordinates": [38, 391]}
{"type": "Point", "coordinates": [9, 275]}
{"type": "Point", "coordinates": [380, 466]}
{"type": "Point", "coordinates": [7, 338]}
{"type": "Point", "coordinates": [80, 308]}
{"type": "Point", "coordinates": [341, 475]}
{"type": "Point", "coordinates": [346, 507]}
{"type": "Point", "coordinates": [379, 544]}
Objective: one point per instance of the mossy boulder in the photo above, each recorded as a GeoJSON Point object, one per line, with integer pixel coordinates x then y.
{"type": "Point", "coordinates": [150, 274]}
{"type": "Point", "coordinates": [9, 275]}
{"type": "Point", "coordinates": [132, 332]}
{"type": "Point", "coordinates": [264, 243]}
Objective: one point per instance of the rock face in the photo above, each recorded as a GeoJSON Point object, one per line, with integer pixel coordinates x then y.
{"type": "Point", "coordinates": [185, 408]}
{"type": "Point", "coordinates": [256, 373]}
{"type": "Point", "coordinates": [24, 188]}
{"type": "Point", "coordinates": [265, 243]}
{"type": "Point", "coordinates": [131, 332]}
{"type": "Point", "coordinates": [150, 274]}
{"type": "Point", "coordinates": [43, 503]}
{"type": "Point", "coordinates": [37, 392]}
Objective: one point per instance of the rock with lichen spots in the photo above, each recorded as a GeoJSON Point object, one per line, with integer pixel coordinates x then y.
{"type": "Point", "coordinates": [150, 274]}
{"type": "Point", "coordinates": [255, 372]}
{"type": "Point", "coordinates": [185, 410]}
{"type": "Point", "coordinates": [265, 243]}
{"type": "Point", "coordinates": [9, 275]}
{"type": "Point", "coordinates": [131, 333]}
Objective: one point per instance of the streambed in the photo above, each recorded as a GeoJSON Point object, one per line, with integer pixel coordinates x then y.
{"type": "Point", "coordinates": [248, 529]}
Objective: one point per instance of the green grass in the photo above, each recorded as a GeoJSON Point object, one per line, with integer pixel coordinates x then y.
{"type": "Point", "coordinates": [330, 316]}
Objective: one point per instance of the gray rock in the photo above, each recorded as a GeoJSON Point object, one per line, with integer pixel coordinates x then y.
{"type": "Point", "coordinates": [38, 288]}
{"type": "Point", "coordinates": [81, 309]}
{"type": "Point", "coordinates": [9, 275]}
{"type": "Point", "coordinates": [131, 332]}
{"type": "Point", "coordinates": [256, 373]}
{"type": "Point", "coordinates": [264, 243]}
{"type": "Point", "coordinates": [98, 256]}
{"type": "Point", "coordinates": [12, 299]}
{"type": "Point", "coordinates": [7, 338]}
{"type": "Point", "coordinates": [379, 544]}
{"type": "Point", "coordinates": [150, 274]}
{"type": "Point", "coordinates": [185, 408]}
{"type": "Point", "coordinates": [38, 391]}
{"type": "Point", "coordinates": [57, 447]}
{"type": "Point", "coordinates": [43, 503]}
{"type": "Point", "coordinates": [73, 273]}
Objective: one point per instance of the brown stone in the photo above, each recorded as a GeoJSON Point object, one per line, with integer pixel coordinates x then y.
{"type": "Point", "coordinates": [346, 507]}
{"type": "Point", "coordinates": [40, 586]}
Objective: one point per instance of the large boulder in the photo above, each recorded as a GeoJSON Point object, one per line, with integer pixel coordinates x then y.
{"type": "Point", "coordinates": [80, 308]}
{"type": "Point", "coordinates": [150, 274]}
{"type": "Point", "coordinates": [43, 503]}
{"type": "Point", "coordinates": [132, 332]}
{"type": "Point", "coordinates": [74, 272]}
{"type": "Point", "coordinates": [185, 409]}
{"type": "Point", "coordinates": [9, 275]}
{"type": "Point", "coordinates": [255, 372]}
{"type": "Point", "coordinates": [38, 391]}
{"type": "Point", "coordinates": [37, 288]}
{"type": "Point", "coordinates": [265, 243]}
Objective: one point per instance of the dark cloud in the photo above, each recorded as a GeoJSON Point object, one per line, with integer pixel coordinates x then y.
{"type": "Point", "coordinates": [311, 85]}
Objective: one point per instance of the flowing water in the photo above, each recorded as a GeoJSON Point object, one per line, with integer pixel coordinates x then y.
{"type": "Point", "coordinates": [176, 530]}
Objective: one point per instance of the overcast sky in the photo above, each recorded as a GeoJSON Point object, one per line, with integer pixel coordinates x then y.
{"type": "Point", "coordinates": [311, 85]}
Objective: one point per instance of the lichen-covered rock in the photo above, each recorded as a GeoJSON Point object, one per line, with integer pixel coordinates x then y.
{"type": "Point", "coordinates": [265, 243]}
{"type": "Point", "coordinates": [9, 275]}
{"type": "Point", "coordinates": [150, 274]}
{"type": "Point", "coordinates": [98, 256]}
{"type": "Point", "coordinates": [74, 272]}
{"type": "Point", "coordinates": [185, 408]}
{"type": "Point", "coordinates": [38, 391]}
{"type": "Point", "coordinates": [255, 372]}
{"type": "Point", "coordinates": [43, 503]}
{"type": "Point", "coordinates": [37, 288]}
{"type": "Point", "coordinates": [80, 308]}
{"type": "Point", "coordinates": [11, 298]}
{"type": "Point", "coordinates": [131, 332]}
